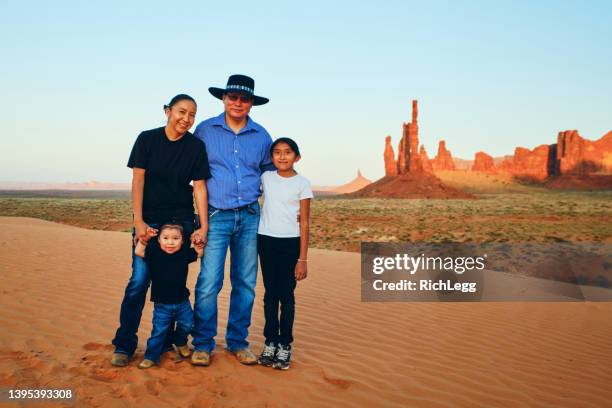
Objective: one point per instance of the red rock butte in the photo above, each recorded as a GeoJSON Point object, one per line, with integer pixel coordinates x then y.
{"type": "Point", "coordinates": [443, 160]}
{"type": "Point", "coordinates": [411, 174]}
{"type": "Point", "coordinates": [572, 162]}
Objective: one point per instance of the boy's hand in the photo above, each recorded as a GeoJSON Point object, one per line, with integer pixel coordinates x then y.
{"type": "Point", "coordinates": [301, 270]}
{"type": "Point", "coordinates": [199, 237]}
{"type": "Point", "coordinates": [140, 249]}
{"type": "Point", "coordinates": [198, 249]}
{"type": "Point", "coordinates": [151, 232]}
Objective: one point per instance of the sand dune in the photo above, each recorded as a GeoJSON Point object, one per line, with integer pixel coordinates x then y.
{"type": "Point", "coordinates": [61, 292]}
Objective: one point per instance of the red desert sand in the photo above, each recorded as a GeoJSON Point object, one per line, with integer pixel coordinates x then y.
{"type": "Point", "coordinates": [62, 287]}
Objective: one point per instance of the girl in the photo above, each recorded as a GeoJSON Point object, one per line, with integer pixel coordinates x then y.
{"type": "Point", "coordinates": [282, 244]}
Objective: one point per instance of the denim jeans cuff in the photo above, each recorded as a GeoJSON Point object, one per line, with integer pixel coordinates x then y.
{"type": "Point", "coordinates": [234, 348]}
{"type": "Point", "coordinates": [119, 351]}
{"type": "Point", "coordinates": [155, 360]}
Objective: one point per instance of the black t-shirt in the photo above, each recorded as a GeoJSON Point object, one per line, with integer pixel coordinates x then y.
{"type": "Point", "coordinates": [170, 167]}
{"type": "Point", "coordinates": [169, 272]}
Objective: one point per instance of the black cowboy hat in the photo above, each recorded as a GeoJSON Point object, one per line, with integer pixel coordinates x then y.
{"type": "Point", "coordinates": [239, 84]}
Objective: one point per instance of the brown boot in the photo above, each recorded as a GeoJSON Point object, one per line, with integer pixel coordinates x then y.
{"type": "Point", "coordinates": [120, 360]}
{"type": "Point", "coordinates": [146, 363]}
{"type": "Point", "coordinates": [201, 358]}
{"type": "Point", "coordinates": [245, 356]}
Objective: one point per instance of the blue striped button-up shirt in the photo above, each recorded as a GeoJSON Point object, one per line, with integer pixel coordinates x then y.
{"type": "Point", "coordinates": [236, 161]}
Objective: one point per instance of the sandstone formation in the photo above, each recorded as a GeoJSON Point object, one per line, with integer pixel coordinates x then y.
{"type": "Point", "coordinates": [579, 156]}
{"type": "Point", "coordinates": [408, 157]}
{"type": "Point", "coordinates": [534, 164]}
{"type": "Point", "coordinates": [390, 162]}
{"type": "Point", "coordinates": [573, 159]}
{"type": "Point", "coordinates": [411, 174]}
{"type": "Point", "coordinates": [411, 133]}
{"type": "Point", "coordinates": [482, 162]}
{"type": "Point", "coordinates": [443, 160]}
{"type": "Point", "coordinates": [425, 162]}
{"type": "Point", "coordinates": [572, 155]}
{"type": "Point", "coordinates": [357, 183]}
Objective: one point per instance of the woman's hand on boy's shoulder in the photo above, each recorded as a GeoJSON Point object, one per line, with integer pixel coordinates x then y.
{"type": "Point", "coordinates": [301, 270]}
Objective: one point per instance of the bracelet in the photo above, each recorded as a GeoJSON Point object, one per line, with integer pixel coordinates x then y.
{"type": "Point", "coordinates": [302, 260]}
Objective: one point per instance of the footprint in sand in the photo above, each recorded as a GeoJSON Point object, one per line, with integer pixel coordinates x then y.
{"type": "Point", "coordinates": [337, 382]}
{"type": "Point", "coordinates": [97, 346]}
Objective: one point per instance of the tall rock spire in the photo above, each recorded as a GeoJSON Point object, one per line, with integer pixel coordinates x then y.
{"type": "Point", "coordinates": [390, 162]}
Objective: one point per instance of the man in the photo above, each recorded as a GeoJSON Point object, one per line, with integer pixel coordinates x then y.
{"type": "Point", "coordinates": [238, 153]}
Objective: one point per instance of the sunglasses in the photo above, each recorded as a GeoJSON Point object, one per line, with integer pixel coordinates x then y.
{"type": "Point", "coordinates": [243, 98]}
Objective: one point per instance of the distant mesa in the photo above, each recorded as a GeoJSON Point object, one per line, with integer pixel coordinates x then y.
{"type": "Point", "coordinates": [89, 185]}
{"type": "Point", "coordinates": [572, 162]}
{"type": "Point", "coordinates": [462, 164]}
{"type": "Point", "coordinates": [578, 156]}
{"type": "Point", "coordinates": [357, 183]}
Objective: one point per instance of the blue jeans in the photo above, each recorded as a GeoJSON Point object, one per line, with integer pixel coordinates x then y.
{"type": "Point", "coordinates": [126, 337]}
{"type": "Point", "coordinates": [163, 320]}
{"type": "Point", "coordinates": [236, 229]}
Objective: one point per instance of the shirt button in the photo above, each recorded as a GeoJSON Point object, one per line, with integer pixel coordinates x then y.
{"type": "Point", "coordinates": [240, 198]}
{"type": "Point", "coordinates": [235, 151]}
{"type": "Point", "coordinates": [238, 181]}
{"type": "Point", "coordinates": [236, 166]}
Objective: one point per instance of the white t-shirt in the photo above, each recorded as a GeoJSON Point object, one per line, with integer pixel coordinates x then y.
{"type": "Point", "coordinates": [281, 204]}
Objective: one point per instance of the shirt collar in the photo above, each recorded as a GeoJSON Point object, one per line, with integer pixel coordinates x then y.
{"type": "Point", "coordinates": [220, 121]}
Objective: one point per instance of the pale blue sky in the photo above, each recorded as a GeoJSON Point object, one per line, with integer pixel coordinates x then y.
{"type": "Point", "coordinates": [79, 81]}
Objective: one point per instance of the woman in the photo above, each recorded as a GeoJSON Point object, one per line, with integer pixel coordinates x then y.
{"type": "Point", "coordinates": [164, 161]}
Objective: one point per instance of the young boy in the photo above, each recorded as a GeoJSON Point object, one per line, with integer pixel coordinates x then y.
{"type": "Point", "coordinates": [168, 259]}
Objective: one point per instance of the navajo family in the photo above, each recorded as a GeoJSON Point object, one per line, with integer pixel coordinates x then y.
{"type": "Point", "coordinates": [224, 167]}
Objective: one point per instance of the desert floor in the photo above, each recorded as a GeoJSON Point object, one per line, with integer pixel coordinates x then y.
{"type": "Point", "coordinates": [62, 287]}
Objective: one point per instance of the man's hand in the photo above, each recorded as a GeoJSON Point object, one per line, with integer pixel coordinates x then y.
{"type": "Point", "coordinates": [301, 270]}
